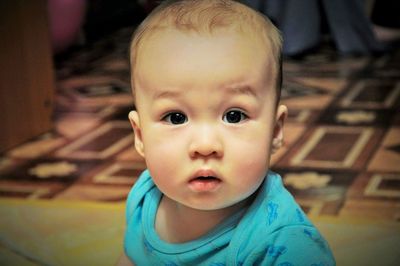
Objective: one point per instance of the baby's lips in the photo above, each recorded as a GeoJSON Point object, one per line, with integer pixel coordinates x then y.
{"type": "Point", "coordinates": [204, 184]}
{"type": "Point", "coordinates": [205, 174]}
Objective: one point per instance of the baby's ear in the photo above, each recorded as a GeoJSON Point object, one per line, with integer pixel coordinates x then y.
{"type": "Point", "coordinates": [135, 122]}
{"type": "Point", "coordinates": [277, 139]}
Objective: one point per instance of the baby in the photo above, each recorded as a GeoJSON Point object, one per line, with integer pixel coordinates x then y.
{"type": "Point", "coordinates": [206, 78]}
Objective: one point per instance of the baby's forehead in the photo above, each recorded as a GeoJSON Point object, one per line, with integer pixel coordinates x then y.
{"type": "Point", "coordinates": [254, 39]}
{"type": "Point", "coordinates": [174, 53]}
{"type": "Point", "coordinates": [260, 47]}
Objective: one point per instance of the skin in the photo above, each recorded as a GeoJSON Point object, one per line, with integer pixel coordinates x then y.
{"type": "Point", "coordinates": [220, 90]}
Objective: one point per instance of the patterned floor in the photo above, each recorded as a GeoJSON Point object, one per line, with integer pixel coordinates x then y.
{"type": "Point", "coordinates": [341, 156]}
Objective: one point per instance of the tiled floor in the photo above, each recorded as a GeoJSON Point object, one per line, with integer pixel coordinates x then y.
{"type": "Point", "coordinates": [342, 132]}
{"type": "Point", "coordinates": [341, 157]}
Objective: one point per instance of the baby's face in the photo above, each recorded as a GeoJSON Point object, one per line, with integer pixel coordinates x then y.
{"type": "Point", "coordinates": [206, 115]}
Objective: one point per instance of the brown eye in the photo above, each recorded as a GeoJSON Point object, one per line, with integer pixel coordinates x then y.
{"type": "Point", "coordinates": [234, 116]}
{"type": "Point", "coordinates": [175, 118]}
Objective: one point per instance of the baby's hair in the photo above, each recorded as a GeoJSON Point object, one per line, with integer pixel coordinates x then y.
{"type": "Point", "coordinates": [206, 17]}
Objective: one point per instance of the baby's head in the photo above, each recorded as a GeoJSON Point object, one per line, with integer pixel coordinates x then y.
{"type": "Point", "coordinates": [206, 77]}
{"type": "Point", "coordinates": [210, 18]}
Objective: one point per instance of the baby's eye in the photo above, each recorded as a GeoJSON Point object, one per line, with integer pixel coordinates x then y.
{"type": "Point", "coordinates": [234, 116]}
{"type": "Point", "coordinates": [175, 118]}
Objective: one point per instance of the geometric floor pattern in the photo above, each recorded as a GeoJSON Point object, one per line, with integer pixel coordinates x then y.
{"type": "Point", "coordinates": [341, 156]}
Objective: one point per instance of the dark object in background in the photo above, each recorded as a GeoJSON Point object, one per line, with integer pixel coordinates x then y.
{"type": "Point", "coordinates": [386, 20]}
{"type": "Point", "coordinates": [104, 17]}
{"type": "Point", "coordinates": [385, 13]}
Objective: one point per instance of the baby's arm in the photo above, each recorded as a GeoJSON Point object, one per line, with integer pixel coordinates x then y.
{"type": "Point", "coordinates": [124, 261]}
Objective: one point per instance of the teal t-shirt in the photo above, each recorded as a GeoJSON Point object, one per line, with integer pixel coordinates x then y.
{"type": "Point", "coordinates": [272, 231]}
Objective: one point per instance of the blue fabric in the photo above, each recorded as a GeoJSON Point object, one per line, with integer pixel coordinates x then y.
{"type": "Point", "coordinates": [272, 231]}
{"type": "Point", "coordinates": [300, 23]}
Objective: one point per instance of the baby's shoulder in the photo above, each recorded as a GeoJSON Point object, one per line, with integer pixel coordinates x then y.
{"type": "Point", "coordinates": [275, 229]}
{"type": "Point", "coordinates": [293, 244]}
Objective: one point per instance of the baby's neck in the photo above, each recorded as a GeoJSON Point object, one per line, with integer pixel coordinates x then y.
{"type": "Point", "coordinates": [176, 223]}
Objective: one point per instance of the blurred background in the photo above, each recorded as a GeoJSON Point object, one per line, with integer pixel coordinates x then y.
{"type": "Point", "coordinates": [67, 159]}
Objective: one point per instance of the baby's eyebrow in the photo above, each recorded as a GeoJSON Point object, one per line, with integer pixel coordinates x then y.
{"type": "Point", "coordinates": [247, 90]}
{"type": "Point", "coordinates": [161, 94]}
{"type": "Point", "coordinates": [235, 90]}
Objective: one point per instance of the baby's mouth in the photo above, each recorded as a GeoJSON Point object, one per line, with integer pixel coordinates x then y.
{"type": "Point", "coordinates": [206, 178]}
{"type": "Point", "coordinates": [204, 183]}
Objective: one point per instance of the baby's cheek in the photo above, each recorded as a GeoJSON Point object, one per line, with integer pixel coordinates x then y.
{"type": "Point", "coordinates": [162, 159]}
{"type": "Point", "coordinates": [253, 161]}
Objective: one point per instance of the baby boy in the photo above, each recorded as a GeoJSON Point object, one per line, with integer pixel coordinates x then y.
{"type": "Point", "coordinates": [206, 78]}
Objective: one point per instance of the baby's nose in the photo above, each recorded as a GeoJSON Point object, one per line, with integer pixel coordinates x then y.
{"type": "Point", "coordinates": [206, 142]}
